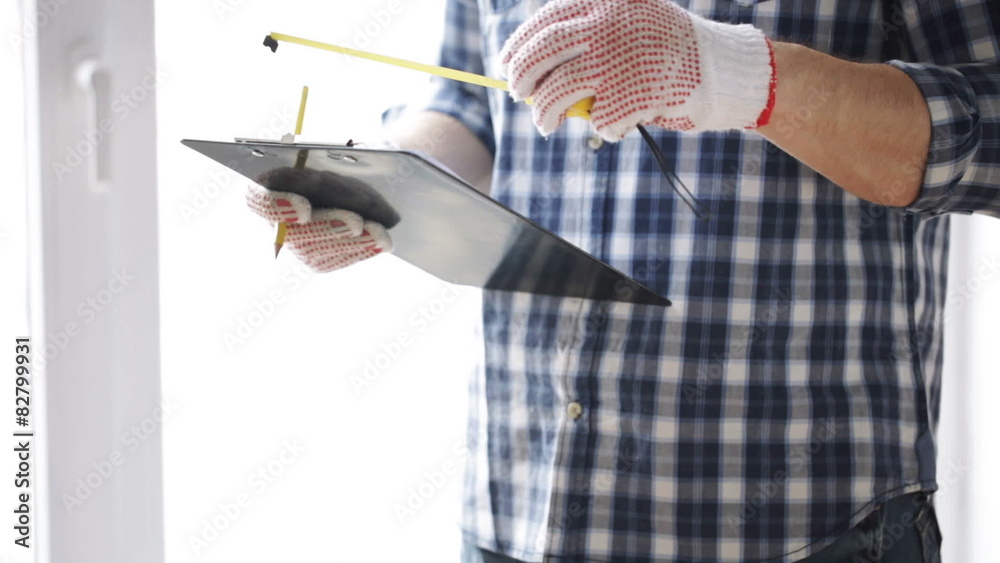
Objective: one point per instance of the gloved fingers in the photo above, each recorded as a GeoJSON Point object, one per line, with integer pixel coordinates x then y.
{"type": "Point", "coordinates": [612, 124]}
{"type": "Point", "coordinates": [614, 131]}
{"type": "Point", "coordinates": [559, 91]}
{"type": "Point", "coordinates": [554, 11]}
{"type": "Point", "coordinates": [278, 206]}
{"type": "Point", "coordinates": [329, 255]}
{"type": "Point", "coordinates": [544, 53]}
{"type": "Point", "coordinates": [679, 114]}
{"type": "Point", "coordinates": [674, 123]}
{"type": "Point", "coordinates": [352, 222]}
{"type": "Point", "coordinates": [377, 235]}
{"type": "Point", "coordinates": [613, 120]}
{"type": "Point", "coordinates": [326, 224]}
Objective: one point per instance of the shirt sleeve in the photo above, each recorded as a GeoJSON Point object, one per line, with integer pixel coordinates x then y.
{"type": "Point", "coordinates": [959, 76]}
{"type": "Point", "coordinates": [461, 49]}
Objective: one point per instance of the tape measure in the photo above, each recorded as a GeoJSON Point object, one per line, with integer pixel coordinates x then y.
{"type": "Point", "coordinates": [580, 109]}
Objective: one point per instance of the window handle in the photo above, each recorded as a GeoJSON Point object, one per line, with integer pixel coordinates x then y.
{"type": "Point", "coordinates": [95, 81]}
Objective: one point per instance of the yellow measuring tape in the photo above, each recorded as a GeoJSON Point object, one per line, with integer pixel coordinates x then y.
{"type": "Point", "coordinates": [580, 109]}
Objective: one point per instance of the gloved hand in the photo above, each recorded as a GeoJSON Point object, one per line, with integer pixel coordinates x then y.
{"type": "Point", "coordinates": [643, 62]}
{"type": "Point", "coordinates": [324, 239]}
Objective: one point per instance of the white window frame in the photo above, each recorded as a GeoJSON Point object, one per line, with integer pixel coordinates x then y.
{"type": "Point", "coordinates": [90, 235]}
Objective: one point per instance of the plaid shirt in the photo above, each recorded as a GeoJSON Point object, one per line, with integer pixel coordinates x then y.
{"type": "Point", "coordinates": [794, 383]}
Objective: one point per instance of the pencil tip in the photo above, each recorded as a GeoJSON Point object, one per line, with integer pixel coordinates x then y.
{"type": "Point", "coordinates": [277, 249]}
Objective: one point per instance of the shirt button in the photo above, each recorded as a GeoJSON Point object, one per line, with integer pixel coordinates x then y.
{"type": "Point", "coordinates": [574, 410]}
{"type": "Point", "coordinates": [595, 142]}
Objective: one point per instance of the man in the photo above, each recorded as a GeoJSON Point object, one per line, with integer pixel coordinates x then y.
{"type": "Point", "coordinates": [783, 408]}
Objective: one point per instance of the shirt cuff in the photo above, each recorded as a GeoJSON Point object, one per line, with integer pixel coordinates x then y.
{"type": "Point", "coordinates": [955, 136]}
{"type": "Point", "coordinates": [465, 102]}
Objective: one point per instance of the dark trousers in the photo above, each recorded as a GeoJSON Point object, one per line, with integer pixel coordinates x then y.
{"type": "Point", "coordinates": [903, 530]}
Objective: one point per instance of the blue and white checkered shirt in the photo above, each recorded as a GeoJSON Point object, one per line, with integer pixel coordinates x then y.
{"type": "Point", "coordinates": [793, 385]}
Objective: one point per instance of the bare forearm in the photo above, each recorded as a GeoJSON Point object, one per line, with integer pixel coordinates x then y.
{"type": "Point", "coordinates": [864, 126]}
{"type": "Point", "coordinates": [447, 140]}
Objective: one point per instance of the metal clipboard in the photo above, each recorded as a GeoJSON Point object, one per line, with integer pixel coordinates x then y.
{"type": "Point", "coordinates": [446, 227]}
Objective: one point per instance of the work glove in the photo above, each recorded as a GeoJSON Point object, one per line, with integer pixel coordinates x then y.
{"type": "Point", "coordinates": [324, 239]}
{"type": "Point", "coordinates": [643, 62]}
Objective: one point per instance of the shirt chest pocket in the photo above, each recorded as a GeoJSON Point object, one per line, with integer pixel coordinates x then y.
{"type": "Point", "coordinates": [733, 6]}
{"type": "Point", "coordinates": [697, 6]}
{"type": "Point", "coordinates": [498, 20]}
{"type": "Point", "coordinates": [500, 6]}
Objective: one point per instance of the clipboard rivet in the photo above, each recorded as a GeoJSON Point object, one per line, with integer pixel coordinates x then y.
{"type": "Point", "coordinates": [339, 156]}
{"type": "Point", "coordinates": [257, 152]}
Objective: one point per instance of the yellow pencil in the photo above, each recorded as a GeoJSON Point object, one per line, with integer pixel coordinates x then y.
{"type": "Point", "coordinates": [282, 227]}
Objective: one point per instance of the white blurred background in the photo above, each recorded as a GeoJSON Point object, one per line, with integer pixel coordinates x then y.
{"type": "Point", "coordinates": [277, 446]}
{"type": "Point", "coordinates": [301, 375]}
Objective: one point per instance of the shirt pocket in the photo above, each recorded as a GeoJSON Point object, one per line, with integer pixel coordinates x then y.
{"type": "Point", "coordinates": [721, 11]}
{"type": "Point", "coordinates": [498, 21]}
{"type": "Point", "coordinates": [501, 6]}
{"type": "Point", "coordinates": [522, 8]}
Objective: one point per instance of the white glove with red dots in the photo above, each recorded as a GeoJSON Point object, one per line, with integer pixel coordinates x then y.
{"type": "Point", "coordinates": [324, 239]}
{"type": "Point", "coordinates": [643, 62]}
